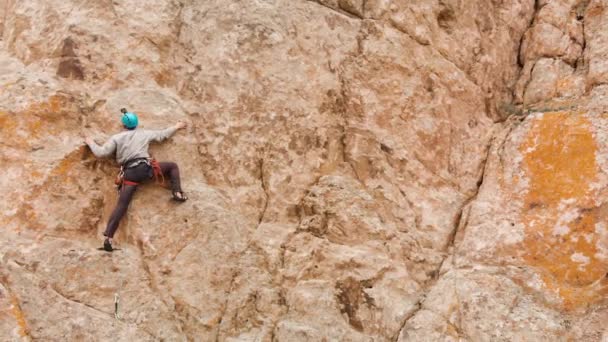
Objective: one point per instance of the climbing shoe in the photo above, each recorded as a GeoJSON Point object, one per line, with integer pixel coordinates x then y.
{"type": "Point", "coordinates": [179, 196]}
{"type": "Point", "coordinates": [107, 245]}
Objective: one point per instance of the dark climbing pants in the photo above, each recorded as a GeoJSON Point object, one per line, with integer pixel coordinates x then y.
{"type": "Point", "coordinates": [139, 174]}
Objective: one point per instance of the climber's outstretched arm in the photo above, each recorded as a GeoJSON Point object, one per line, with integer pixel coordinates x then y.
{"type": "Point", "coordinates": [160, 135]}
{"type": "Point", "coordinates": [101, 151]}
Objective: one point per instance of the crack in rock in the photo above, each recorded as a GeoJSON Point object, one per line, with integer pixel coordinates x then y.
{"type": "Point", "coordinates": [264, 186]}
{"type": "Point", "coordinates": [17, 311]}
{"type": "Point", "coordinates": [73, 300]}
{"type": "Point", "coordinates": [349, 13]}
{"type": "Point", "coordinates": [410, 315]}
{"type": "Point", "coordinates": [225, 306]}
{"type": "Point", "coordinates": [154, 287]}
{"type": "Point", "coordinates": [458, 226]}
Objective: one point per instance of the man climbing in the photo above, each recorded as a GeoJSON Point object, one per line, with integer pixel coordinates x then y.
{"type": "Point", "coordinates": [131, 148]}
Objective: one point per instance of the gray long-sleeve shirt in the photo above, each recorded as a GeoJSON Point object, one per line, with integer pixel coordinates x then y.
{"type": "Point", "coordinates": [131, 144]}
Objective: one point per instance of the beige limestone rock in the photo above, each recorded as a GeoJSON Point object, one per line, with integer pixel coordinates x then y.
{"type": "Point", "coordinates": [352, 172]}
{"type": "Point", "coordinates": [556, 33]}
{"type": "Point", "coordinates": [597, 50]}
{"type": "Point", "coordinates": [553, 78]}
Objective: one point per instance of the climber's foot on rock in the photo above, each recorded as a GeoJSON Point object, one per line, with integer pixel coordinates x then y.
{"type": "Point", "coordinates": [179, 196]}
{"type": "Point", "coordinates": [107, 245]}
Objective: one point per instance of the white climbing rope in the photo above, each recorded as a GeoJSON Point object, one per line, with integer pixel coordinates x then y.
{"type": "Point", "coordinates": [117, 297]}
{"type": "Point", "coordinates": [116, 301]}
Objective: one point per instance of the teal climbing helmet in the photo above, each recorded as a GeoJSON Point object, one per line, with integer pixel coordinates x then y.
{"type": "Point", "coordinates": [129, 119]}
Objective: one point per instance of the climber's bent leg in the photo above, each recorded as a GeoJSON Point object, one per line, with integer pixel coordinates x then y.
{"type": "Point", "coordinates": [126, 194]}
{"type": "Point", "coordinates": [171, 171]}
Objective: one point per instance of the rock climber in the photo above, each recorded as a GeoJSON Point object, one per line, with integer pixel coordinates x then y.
{"type": "Point", "coordinates": [131, 149]}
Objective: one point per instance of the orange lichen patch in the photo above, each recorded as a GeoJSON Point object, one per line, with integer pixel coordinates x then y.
{"type": "Point", "coordinates": [34, 174]}
{"type": "Point", "coordinates": [20, 129]}
{"type": "Point", "coordinates": [46, 113]}
{"type": "Point", "coordinates": [560, 159]}
{"type": "Point", "coordinates": [64, 166]}
{"type": "Point", "coordinates": [564, 85]}
{"type": "Point", "coordinates": [54, 104]}
{"type": "Point", "coordinates": [59, 180]}
{"type": "Point", "coordinates": [594, 11]}
{"type": "Point", "coordinates": [27, 213]}
{"type": "Point", "coordinates": [19, 317]}
{"type": "Point", "coordinates": [560, 211]}
{"type": "Point", "coordinates": [7, 124]}
{"type": "Point", "coordinates": [164, 78]}
{"type": "Point", "coordinates": [35, 125]}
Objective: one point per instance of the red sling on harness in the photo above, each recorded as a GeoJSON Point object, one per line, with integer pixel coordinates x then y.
{"type": "Point", "coordinates": [158, 172]}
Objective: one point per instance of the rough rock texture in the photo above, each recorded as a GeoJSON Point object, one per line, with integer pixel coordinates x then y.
{"type": "Point", "coordinates": [374, 170]}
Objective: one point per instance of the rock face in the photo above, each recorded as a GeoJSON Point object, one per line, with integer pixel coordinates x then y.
{"type": "Point", "coordinates": [357, 170]}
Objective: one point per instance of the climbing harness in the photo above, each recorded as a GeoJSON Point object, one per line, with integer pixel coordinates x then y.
{"type": "Point", "coordinates": [120, 180]}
